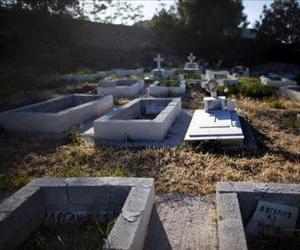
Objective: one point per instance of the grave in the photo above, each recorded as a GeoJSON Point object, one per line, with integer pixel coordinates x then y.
{"type": "Point", "coordinates": [222, 76]}
{"type": "Point", "coordinates": [218, 121]}
{"type": "Point", "coordinates": [191, 65]}
{"type": "Point", "coordinates": [258, 215]}
{"type": "Point", "coordinates": [71, 200]}
{"type": "Point", "coordinates": [240, 71]}
{"type": "Point", "coordinates": [290, 92]}
{"type": "Point", "coordinates": [143, 119]}
{"type": "Point", "coordinates": [120, 88]}
{"type": "Point", "coordinates": [55, 116]}
{"type": "Point", "coordinates": [168, 87]}
{"type": "Point", "coordinates": [276, 81]}
{"type": "Point", "coordinates": [159, 72]}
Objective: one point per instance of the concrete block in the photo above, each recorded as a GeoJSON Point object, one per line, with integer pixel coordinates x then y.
{"type": "Point", "coordinates": [141, 119]}
{"type": "Point", "coordinates": [290, 92]}
{"type": "Point", "coordinates": [120, 88]}
{"type": "Point", "coordinates": [55, 116]}
{"type": "Point", "coordinates": [23, 212]}
{"type": "Point", "coordinates": [156, 90]}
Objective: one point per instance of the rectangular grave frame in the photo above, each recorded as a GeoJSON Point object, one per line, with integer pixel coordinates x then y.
{"type": "Point", "coordinates": [236, 202]}
{"type": "Point", "coordinates": [122, 90]}
{"type": "Point", "coordinates": [162, 91]}
{"type": "Point", "coordinates": [290, 92]}
{"type": "Point", "coordinates": [31, 119]}
{"type": "Point", "coordinates": [23, 212]}
{"type": "Point", "coordinates": [109, 128]}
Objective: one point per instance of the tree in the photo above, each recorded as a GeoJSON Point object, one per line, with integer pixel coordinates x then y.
{"type": "Point", "coordinates": [50, 6]}
{"type": "Point", "coordinates": [280, 23]}
{"type": "Point", "coordinates": [167, 19]}
{"type": "Point", "coordinates": [212, 19]}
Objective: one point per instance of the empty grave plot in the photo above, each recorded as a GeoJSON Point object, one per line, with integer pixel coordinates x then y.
{"type": "Point", "coordinates": [167, 88]}
{"type": "Point", "coordinates": [146, 119]}
{"type": "Point", "coordinates": [57, 115]}
{"type": "Point", "coordinates": [108, 212]}
{"type": "Point", "coordinates": [258, 215]}
{"type": "Point", "coordinates": [120, 88]}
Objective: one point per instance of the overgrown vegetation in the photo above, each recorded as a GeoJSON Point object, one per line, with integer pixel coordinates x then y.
{"type": "Point", "coordinates": [247, 87]}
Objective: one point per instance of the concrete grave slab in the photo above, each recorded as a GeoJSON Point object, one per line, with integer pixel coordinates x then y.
{"type": "Point", "coordinates": [156, 90]}
{"type": "Point", "coordinates": [220, 125]}
{"type": "Point", "coordinates": [70, 199]}
{"type": "Point", "coordinates": [55, 116]}
{"type": "Point", "coordinates": [146, 119]}
{"type": "Point", "coordinates": [237, 203]}
{"type": "Point", "coordinates": [290, 92]}
{"type": "Point", "coordinates": [277, 81]}
{"type": "Point", "coordinates": [222, 76]}
{"type": "Point", "coordinates": [120, 88]}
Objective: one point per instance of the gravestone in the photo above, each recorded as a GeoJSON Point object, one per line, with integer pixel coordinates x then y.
{"type": "Point", "coordinates": [159, 71]}
{"type": "Point", "coordinates": [272, 219]}
{"type": "Point", "coordinates": [218, 121]}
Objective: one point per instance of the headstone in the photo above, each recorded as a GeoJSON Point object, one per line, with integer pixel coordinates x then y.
{"type": "Point", "coordinates": [272, 219]}
{"type": "Point", "coordinates": [158, 59]}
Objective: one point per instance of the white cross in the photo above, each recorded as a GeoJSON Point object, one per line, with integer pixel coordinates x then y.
{"type": "Point", "coordinates": [158, 59]}
{"type": "Point", "coordinates": [191, 58]}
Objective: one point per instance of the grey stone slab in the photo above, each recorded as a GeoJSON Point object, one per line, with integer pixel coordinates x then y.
{"type": "Point", "coordinates": [173, 138]}
{"type": "Point", "coordinates": [237, 203]}
{"type": "Point", "coordinates": [133, 122]}
{"type": "Point", "coordinates": [55, 116]}
{"type": "Point", "coordinates": [71, 199]}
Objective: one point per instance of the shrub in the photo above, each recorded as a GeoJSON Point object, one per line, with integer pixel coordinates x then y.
{"type": "Point", "coordinates": [275, 103]}
{"type": "Point", "coordinates": [252, 87]}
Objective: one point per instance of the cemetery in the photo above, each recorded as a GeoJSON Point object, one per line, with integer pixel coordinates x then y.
{"type": "Point", "coordinates": [176, 126]}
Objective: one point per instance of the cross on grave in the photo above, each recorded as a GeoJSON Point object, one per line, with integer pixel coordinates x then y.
{"type": "Point", "coordinates": [191, 58]}
{"type": "Point", "coordinates": [158, 59]}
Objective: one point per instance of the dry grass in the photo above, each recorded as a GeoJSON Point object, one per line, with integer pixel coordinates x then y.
{"type": "Point", "coordinates": [184, 169]}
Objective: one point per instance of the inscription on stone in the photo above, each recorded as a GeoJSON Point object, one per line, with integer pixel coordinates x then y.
{"type": "Point", "coordinates": [78, 217]}
{"type": "Point", "coordinates": [272, 219]}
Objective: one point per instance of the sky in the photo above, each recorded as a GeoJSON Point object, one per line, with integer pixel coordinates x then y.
{"type": "Point", "coordinates": [253, 8]}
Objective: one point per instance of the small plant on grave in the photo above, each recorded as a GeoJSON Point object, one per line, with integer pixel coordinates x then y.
{"type": "Point", "coordinates": [74, 137]}
{"type": "Point", "coordinates": [228, 91]}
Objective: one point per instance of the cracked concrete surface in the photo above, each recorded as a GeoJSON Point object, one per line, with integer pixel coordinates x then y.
{"type": "Point", "coordinates": [182, 222]}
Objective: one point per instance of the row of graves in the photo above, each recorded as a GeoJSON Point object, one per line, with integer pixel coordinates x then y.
{"type": "Point", "coordinates": [153, 117]}
{"type": "Point", "coordinates": [247, 213]}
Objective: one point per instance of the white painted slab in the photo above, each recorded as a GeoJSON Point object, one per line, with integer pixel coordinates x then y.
{"type": "Point", "coordinates": [272, 219]}
{"type": "Point", "coordinates": [216, 125]}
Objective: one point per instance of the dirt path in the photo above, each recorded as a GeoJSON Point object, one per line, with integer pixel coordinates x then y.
{"type": "Point", "coordinates": [182, 222]}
